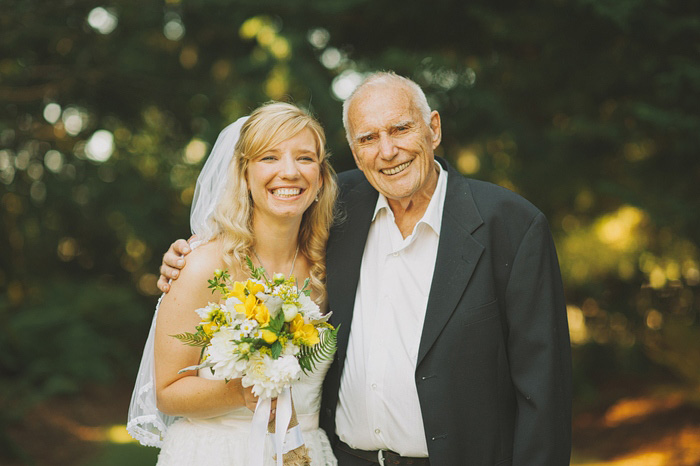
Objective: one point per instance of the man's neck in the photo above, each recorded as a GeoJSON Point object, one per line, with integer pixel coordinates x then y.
{"type": "Point", "coordinates": [408, 211]}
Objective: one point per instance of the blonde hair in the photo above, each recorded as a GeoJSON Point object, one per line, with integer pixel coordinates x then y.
{"type": "Point", "coordinates": [269, 125]}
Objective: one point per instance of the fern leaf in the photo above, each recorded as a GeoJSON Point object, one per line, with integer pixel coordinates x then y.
{"type": "Point", "coordinates": [192, 339]}
{"type": "Point", "coordinates": [309, 357]}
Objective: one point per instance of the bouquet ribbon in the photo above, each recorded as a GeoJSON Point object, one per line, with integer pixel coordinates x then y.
{"type": "Point", "coordinates": [258, 430]}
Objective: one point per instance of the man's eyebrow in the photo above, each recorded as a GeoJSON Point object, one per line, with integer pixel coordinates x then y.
{"type": "Point", "coordinates": [403, 123]}
{"type": "Point", "coordinates": [362, 135]}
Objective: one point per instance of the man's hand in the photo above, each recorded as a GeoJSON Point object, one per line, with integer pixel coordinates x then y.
{"type": "Point", "coordinates": [173, 261]}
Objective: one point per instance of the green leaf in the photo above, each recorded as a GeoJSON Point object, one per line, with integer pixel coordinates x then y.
{"type": "Point", "coordinates": [199, 339]}
{"type": "Point", "coordinates": [277, 323]}
{"type": "Point", "coordinates": [276, 349]}
{"type": "Point", "coordinates": [309, 357]}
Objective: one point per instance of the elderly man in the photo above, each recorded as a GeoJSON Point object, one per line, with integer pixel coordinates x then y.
{"type": "Point", "coordinates": [458, 350]}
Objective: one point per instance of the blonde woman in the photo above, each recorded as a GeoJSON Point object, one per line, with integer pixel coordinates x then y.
{"type": "Point", "coordinates": [266, 192]}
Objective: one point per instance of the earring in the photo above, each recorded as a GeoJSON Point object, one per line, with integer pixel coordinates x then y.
{"type": "Point", "coordinates": [317, 195]}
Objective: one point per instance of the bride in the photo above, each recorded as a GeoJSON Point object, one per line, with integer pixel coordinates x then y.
{"type": "Point", "coordinates": [267, 192]}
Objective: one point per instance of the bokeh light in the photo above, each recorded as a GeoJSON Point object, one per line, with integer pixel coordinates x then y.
{"type": "Point", "coordinates": [73, 120]}
{"type": "Point", "coordinates": [100, 146]}
{"type": "Point", "coordinates": [173, 29]}
{"type": "Point", "coordinates": [318, 37]}
{"type": "Point", "coordinates": [195, 151]}
{"type": "Point", "coordinates": [345, 83]}
{"type": "Point", "coordinates": [331, 58]}
{"type": "Point", "coordinates": [102, 20]}
{"type": "Point", "coordinates": [52, 112]}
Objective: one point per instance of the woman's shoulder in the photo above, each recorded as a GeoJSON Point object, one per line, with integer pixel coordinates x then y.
{"type": "Point", "coordinates": [201, 263]}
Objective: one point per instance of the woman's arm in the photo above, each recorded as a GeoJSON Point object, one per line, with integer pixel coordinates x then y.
{"type": "Point", "coordinates": [186, 394]}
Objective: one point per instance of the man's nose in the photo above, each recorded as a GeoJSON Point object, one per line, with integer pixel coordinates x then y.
{"type": "Point", "coordinates": [387, 148]}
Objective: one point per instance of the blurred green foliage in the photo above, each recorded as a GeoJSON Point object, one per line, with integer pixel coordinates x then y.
{"type": "Point", "coordinates": [589, 108]}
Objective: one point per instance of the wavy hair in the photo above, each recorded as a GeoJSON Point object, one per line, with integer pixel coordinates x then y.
{"type": "Point", "coordinates": [269, 125]}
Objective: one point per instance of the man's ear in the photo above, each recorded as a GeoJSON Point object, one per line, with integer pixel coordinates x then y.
{"type": "Point", "coordinates": [436, 128]}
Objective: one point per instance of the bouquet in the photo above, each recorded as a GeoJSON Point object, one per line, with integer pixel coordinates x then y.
{"type": "Point", "coordinates": [266, 332]}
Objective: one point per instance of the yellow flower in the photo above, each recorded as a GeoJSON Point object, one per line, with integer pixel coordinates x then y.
{"type": "Point", "coordinates": [238, 291]}
{"type": "Point", "coordinates": [254, 288]}
{"type": "Point", "coordinates": [247, 307]}
{"type": "Point", "coordinates": [269, 336]}
{"type": "Point", "coordinates": [261, 314]}
{"type": "Point", "coordinates": [305, 333]}
{"type": "Point", "coordinates": [209, 328]}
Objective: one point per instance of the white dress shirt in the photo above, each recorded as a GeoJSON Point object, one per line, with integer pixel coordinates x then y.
{"type": "Point", "coordinates": [378, 407]}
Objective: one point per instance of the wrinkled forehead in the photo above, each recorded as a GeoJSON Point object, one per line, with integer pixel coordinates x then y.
{"type": "Point", "coordinates": [381, 105]}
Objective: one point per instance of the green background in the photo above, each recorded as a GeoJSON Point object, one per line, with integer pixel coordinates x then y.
{"type": "Point", "coordinates": [588, 108]}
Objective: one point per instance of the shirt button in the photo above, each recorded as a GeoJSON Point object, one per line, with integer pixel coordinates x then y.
{"type": "Point", "coordinates": [377, 431]}
{"type": "Point", "coordinates": [396, 254]}
{"type": "Point", "coordinates": [374, 386]}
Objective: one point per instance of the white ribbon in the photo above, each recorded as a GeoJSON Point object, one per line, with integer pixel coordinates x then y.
{"type": "Point", "coordinates": [258, 429]}
{"type": "Point", "coordinates": [258, 432]}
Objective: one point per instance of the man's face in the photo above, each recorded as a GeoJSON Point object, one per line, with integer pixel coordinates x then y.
{"type": "Point", "coordinates": [391, 143]}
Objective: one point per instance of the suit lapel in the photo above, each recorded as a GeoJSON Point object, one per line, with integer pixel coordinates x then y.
{"type": "Point", "coordinates": [346, 246]}
{"type": "Point", "coordinates": [457, 256]}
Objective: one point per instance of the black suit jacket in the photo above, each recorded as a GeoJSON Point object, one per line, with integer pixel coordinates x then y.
{"type": "Point", "coordinates": [494, 366]}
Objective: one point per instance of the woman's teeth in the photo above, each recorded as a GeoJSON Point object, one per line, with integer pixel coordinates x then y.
{"type": "Point", "coordinates": [286, 192]}
{"type": "Point", "coordinates": [396, 169]}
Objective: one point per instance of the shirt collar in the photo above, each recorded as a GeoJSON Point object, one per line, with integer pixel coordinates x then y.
{"type": "Point", "coordinates": [433, 214]}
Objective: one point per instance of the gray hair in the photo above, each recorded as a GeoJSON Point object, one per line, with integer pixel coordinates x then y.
{"type": "Point", "coordinates": [381, 78]}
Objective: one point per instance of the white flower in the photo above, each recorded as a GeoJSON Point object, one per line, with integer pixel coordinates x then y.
{"type": "Point", "coordinates": [290, 311]}
{"type": "Point", "coordinates": [247, 326]}
{"type": "Point", "coordinates": [230, 304]}
{"type": "Point", "coordinates": [205, 312]}
{"type": "Point", "coordinates": [222, 355]}
{"type": "Point", "coordinates": [290, 349]}
{"type": "Point", "coordinates": [273, 304]}
{"type": "Point", "coordinates": [268, 376]}
{"type": "Point", "coordinates": [311, 311]}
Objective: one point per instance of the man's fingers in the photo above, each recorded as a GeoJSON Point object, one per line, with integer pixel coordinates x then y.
{"type": "Point", "coordinates": [180, 247]}
{"type": "Point", "coordinates": [168, 273]}
{"type": "Point", "coordinates": [163, 284]}
{"type": "Point", "coordinates": [172, 259]}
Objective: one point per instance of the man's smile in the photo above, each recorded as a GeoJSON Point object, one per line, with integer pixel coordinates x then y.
{"type": "Point", "coordinates": [396, 169]}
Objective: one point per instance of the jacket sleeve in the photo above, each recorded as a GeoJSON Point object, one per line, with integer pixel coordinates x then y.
{"type": "Point", "coordinates": [539, 351]}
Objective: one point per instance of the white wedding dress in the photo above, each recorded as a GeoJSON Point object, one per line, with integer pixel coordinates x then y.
{"type": "Point", "coordinates": [223, 440]}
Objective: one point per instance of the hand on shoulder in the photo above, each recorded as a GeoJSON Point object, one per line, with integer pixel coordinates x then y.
{"type": "Point", "coordinates": [202, 261]}
{"type": "Point", "coordinates": [173, 261]}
